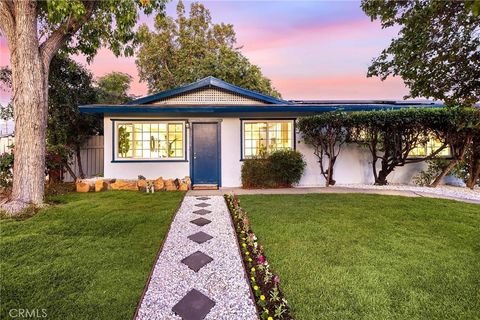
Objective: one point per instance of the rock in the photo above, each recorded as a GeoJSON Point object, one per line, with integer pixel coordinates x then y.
{"type": "Point", "coordinates": [142, 184]}
{"type": "Point", "coordinates": [183, 186]}
{"type": "Point", "coordinates": [101, 185]}
{"type": "Point", "coordinates": [124, 185]}
{"type": "Point", "coordinates": [170, 185]}
{"type": "Point", "coordinates": [140, 177]}
{"type": "Point", "coordinates": [159, 184]}
{"type": "Point", "coordinates": [187, 180]}
{"type": "Point", "coordinates": [82, 186]}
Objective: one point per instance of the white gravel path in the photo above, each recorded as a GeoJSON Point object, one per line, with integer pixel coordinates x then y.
{"type": "Point", "coordinates": [222, 280]}
{"type": "Point", "coordinates": [444, 190]}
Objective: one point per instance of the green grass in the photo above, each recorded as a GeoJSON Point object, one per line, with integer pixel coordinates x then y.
{"type": "Point", "coordinates": [354, 256]}
{"type": "Point", "coordinates": [88, 257]}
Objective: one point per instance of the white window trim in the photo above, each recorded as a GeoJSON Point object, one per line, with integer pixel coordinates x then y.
{"type": "Point", "coordinates": [243, 122]}
{"type": "Point", "coordinates": [119, 122]}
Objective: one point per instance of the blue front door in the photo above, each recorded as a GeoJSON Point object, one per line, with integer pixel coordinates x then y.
{"type": "Point", "coordinates": [205, 153]}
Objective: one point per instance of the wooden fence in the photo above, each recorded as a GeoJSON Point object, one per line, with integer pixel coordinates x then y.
{"type": "Point", "coordinates": [92, 159]}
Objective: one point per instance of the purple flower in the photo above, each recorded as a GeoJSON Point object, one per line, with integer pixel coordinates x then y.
{"type": "Point", "coordinates": [276, 279]}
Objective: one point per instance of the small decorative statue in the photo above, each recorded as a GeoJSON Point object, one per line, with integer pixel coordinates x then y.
{"type": "Point", "coordinates": [150, 187]}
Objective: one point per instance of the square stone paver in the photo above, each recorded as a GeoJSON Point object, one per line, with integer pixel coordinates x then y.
{"type": "Point", "coordinates": [200, 237]}
{"type": "Point", "coordinates": [203, 198]}
{"type": "Point", "coordinates": [201, 222]}
{"type": "Point", "coordinates": [194, 306]}
{"type": "Point", "coordinates": [201, 212]}
{"type": "Point", "coordinates": [197, 260]}
{"type": "Point", "coordinates": [202, 205]}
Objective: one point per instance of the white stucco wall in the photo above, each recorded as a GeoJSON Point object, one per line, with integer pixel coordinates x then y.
{"type": "Point", "coordinates": [352, 166]}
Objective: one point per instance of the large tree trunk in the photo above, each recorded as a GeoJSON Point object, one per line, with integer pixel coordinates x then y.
{"type": "Point", "coordinates": [29, 92]}
{"type": "Point", "coordinates": [474, 173]}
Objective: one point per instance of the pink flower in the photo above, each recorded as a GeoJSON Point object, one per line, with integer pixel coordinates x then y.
{"type": "Point", "coordinates": [261, 259]}
{"type": "Point", "coordinates": [276, 279]}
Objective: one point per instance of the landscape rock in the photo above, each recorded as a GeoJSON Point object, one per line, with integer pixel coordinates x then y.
{"type": "Point", "coordinates": [82, 186]}
{"type": "Point", "coordinates": [101, 185]}
{"type": "Point", "coordinates": [159, 184]}
{"type": "Point", "coordinates": [170, 185]}
{"type": "Point", "coordinates": [124, 185]}
{"type": "Point", "coordinates": [142, 184]}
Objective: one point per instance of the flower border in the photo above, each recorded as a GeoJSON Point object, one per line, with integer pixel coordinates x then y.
{"type": "Point", "coordinates": [269, 299]}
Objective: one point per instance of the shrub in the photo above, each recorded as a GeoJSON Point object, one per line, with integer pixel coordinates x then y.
{"type": "Point", "coordinates": [281, 168]}
{"type": "Point", "coordinates": [426, 177]}
{"type": "Point", "coordinates": [6, 170]}
{"type": "Point", "coordinates": [286, 167]}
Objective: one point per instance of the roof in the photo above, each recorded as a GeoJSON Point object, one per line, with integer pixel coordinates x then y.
{"type": "Point", "coordinates": [267, 105]}
{"type": "Point", "coordinates": [209, 82]}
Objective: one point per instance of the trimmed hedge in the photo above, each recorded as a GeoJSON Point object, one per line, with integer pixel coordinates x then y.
{"type": "Point", "coordinates": [281, 168]}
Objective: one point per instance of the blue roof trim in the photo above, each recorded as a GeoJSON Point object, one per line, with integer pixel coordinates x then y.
{"type": "Point", "coordinates": [206, 83]}
{"type": "Point", "coordinates": [242, 109]}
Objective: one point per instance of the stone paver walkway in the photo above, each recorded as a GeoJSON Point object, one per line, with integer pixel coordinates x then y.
{"type": "Point", "coordinates": [199, 273]}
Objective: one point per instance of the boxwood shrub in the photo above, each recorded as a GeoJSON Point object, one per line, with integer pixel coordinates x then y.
{"type": "Point", "coordinates": [281, 168]}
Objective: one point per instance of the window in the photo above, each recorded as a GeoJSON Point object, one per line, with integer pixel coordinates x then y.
{"type": "Point", "coordinates": [261, 137]}
{"type": "Point", "coordinates": [150, 140]}
{"type": "Point", "coordinates": [428, 148]}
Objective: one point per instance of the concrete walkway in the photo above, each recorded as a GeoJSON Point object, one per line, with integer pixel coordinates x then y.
{"type": "Point", "coordinates": [302, 190]}
{"type": "Point", "coordinates": [199, 273]}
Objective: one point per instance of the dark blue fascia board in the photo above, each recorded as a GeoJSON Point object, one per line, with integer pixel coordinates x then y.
{"type": "Point", "coordinates": [205, 83]}
{"type": "Point", "coordinates": [243, 109]}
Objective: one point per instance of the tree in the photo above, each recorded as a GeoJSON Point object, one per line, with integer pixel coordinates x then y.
{"type": "Point", "coordinates": [35, 31]}
{"type": "Point", "coordinates": [326, 133]}
{"type": "Point", "coordinates": [70, 85]}
{"type": "Point", "coordinates": [113, 88]}
{"type": "Point", "coordinates": [392, 135]}
{"type": "Point", "coordinates": [186, 49]}
{"type": "Point", "coordinates": [437, 51]}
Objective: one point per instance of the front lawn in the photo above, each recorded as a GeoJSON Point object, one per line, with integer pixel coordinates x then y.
{"type": "Point", "coordinates": [352, 256]}
{"type": "Point", "coordinates": [88, 257]}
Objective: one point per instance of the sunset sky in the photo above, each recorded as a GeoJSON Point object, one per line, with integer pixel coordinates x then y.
{"type": "Point", "coordinates": [309, 49]}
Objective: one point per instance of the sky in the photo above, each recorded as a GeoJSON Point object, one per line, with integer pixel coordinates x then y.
{"type": "Point", "coordinates": [309, 49]}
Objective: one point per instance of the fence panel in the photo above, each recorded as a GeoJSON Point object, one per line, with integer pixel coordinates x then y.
{"type": "Point", "coordinates": [92, 159]}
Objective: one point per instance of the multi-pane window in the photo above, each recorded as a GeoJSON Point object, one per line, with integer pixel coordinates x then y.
{"type": "Point", "coordinates": [150, 140]}
{"type": "Point", "coordinates": [426, 149]}
{"type": "Point", "coordinates": [261, 137]}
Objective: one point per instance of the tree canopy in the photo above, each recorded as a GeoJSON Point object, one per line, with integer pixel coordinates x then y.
{"type": "Point", "coordinates": [437, 51]}
{"type": "Point", "coordinates": [183, 50]}
{"type": "Point", "coordinates": [113, 88]}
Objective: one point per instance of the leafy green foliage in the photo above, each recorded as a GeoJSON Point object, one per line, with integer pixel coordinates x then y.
{"type": "Point", "coordinates": [183, 50]}
{"type": "Point", "coordinates": [434, 168]}
{"type": "Point", "coordinates": [281, 168]}
{"type": "Point", "coordinates": [113, 88]}
{"type": "Point", "coordinates": [437, 51]}
{"type": "Point", "coordinates": [6, 170]}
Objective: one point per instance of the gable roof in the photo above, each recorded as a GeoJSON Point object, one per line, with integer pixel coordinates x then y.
{"type": "Point", "coordinates": [209, 82]}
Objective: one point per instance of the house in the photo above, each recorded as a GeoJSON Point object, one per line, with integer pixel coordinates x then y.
{"type": "Point", "coordinates": [205, 129]}
{"type": "Point", "coordinates": [7, 138]}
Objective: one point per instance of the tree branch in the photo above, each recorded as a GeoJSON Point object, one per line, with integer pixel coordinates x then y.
{"type": "Point", "coordinates": [7, 21]}
{"type": "Point", "coordinates": [67, 29]}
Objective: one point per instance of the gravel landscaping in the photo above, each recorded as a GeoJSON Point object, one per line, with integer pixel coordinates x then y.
{"type": "Point", "coordinates": [220, 277]}
{"type": "Point", "coordinates": [447, 191]}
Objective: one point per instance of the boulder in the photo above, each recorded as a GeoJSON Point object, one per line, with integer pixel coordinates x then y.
{"type": "Point", "coordinates": [159, 184]}
{"type": "Point", "coordinates": [142, 184]}
{"type": "Point", "coordinates": [170, 185]}
{"type": "Point", "coordinates": [124, 185]}
{"type": "Point", "coordinates": [187, 180]}
{"type": "Point", "coordinates": [101, 185]}
{"type": "Point", "coordinates": [82, 186]}
{"type": "Point", "coordinates": [183, 186]}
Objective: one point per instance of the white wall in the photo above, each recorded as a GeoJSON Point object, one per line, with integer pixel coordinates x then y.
{"type": "Point", "coordinates": [353, 164]}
